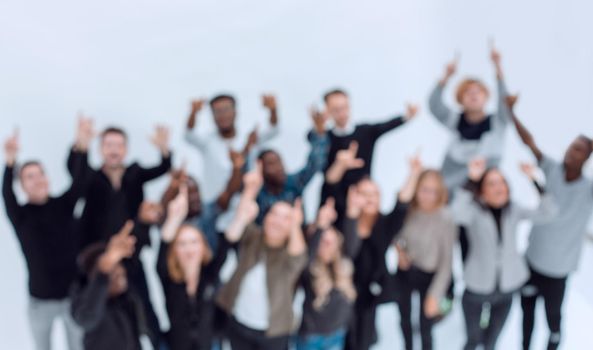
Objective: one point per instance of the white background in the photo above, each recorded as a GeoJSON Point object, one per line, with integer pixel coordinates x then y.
{"type": "Point", "coordinates": [137, 63]}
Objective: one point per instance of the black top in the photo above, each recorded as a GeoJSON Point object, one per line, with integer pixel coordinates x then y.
{"type": "Point", "coordinates": [107, 209]}
{"type": "Point", "coordinates": [47, 233]}
{"type": "Point", "coordinates": [366, 135]}
{"type": "Point", "coordinates": [336, 313]}
{"type": "Point", "coordinates": [192, 318]}
{"type": "Point", "coordinates": [108, 323]}
{"type": "Point", "coordinates": [370, 260]}
{"type": "Point", "coordinates": [473, 131]}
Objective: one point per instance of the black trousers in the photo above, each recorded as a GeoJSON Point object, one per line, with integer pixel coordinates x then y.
{"type": "Point", "coordinates": [552, 291]}
{"type": "Point", "coordinates": [245, 338]}
{"type": "Point", "coordinates": [362, 333]}
{"type": "Point", "coordinates": [474, 305]}
{"type": "Point", "coordinates": [414, 281]}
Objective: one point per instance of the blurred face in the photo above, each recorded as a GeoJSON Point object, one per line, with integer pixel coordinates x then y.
{"type": "Point", "coordinates": [189, 246]}
{"type": "Point", "coordinates": [338, 108]}
{"type": "Point", "coordinates": [329, 246]}
{"type": "Point", "coordinates": [428, 197]}
{"type": "Point", "coordinates": [34, 183]}
{"type": "Point", "coordinates": [118, 281]}
{"type": "Point", "coordinates": [277, 224]}
{"type": "Point", "coordinates": [577, 153]}
{"type": "Point", "coordinates": [474, 98]}
{"type": "Point", "coordinates": [370, 192]}
{"type": "Point", "coordinates": [273, 169]}
{"type": "Point", "coordinates": [114, 149]}
{"type": "Point", "coordinates": [224, 115]}
{"type": "Point", "coordinates": [495, 191]}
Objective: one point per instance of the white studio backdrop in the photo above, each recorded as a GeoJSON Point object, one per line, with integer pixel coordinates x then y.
{"type": "Point", "coordinates": [138, 63]}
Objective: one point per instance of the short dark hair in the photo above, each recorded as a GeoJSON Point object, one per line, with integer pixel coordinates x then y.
{"type": "Point", "coordinates": [334, 92]}
{"type": "Point", "coordinates": [265, 152]}
{"type": "Point", "coordinates": [28, 164]}
{"type": "Point", "coordinates": [222, 97]}
{"type": "Point", "coordinates": [114, 130]}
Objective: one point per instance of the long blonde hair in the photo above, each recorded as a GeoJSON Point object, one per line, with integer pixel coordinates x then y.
{"type": "Point", "coordinates": [443, 192]}
{"type": "Point", "coordinates": [337, 274]}
{"type": "Point", "coordinates": [173, 266]}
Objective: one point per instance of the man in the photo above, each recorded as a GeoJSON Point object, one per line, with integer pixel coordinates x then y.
{"type": "Point", "coordinates": [344, 132]}
{"type": "Point", "coordinates": [215, 146]}
{"type": "Point", "coordinates": [114, 196]}
{"type": "Point", "coordinates": [555, 247]}
{"type": "Point", "coordinates": [45, 228]}
{"type": "Point", "coordinates": [279, 186]}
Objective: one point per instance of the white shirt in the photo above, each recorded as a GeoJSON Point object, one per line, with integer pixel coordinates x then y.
{"type": "Point", "coordinates": [215, 152]}
{"type": "Point", "coordinates": [252, 306]}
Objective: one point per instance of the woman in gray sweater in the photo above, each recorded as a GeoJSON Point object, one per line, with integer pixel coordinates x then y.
{"type": "Point", "coordinates": [425, 246]}
{"type": "Point", "coordinates": [493, 270]}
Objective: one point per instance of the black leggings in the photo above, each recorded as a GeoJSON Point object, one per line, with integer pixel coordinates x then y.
{"type": "Point", "coordinates": [409, 282]}
{"type": "Point", "coordinates": [362, 333]}
{"type": "Point", "coordinates": [244, 338]}
{"type": "Point", "coordinates": [473, 306]}
{"type": "Point", "coordinates": [551, 290]}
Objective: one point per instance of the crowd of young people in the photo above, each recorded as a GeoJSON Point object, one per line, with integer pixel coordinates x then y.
{"type": "Point", "coordinates": [86, 269]}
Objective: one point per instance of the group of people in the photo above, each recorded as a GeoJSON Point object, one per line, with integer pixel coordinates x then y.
{"type": "Point", "coordinates": [85, 269]}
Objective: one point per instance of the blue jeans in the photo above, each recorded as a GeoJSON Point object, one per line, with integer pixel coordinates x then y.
{"type": "Point", "coordinates": [332, 341]}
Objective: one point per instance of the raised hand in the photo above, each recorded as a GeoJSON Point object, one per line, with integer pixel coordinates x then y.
{"type": "Point", "coordinates": [150, 213]}
{"type": "Point", "coordinates": [298, 216]}
{"type": "Point", "coordinates": [178, 207]}
{"type": "Point", "coordinates": [120, 246]}
{"type": "Point", "coordinates": [161, 139]}
{"type": "Point", "coordinates": [347, 157]}
{"type": "Point", "coordinates": [11, 148]}
{"type": "Point", "coordinates": [196, 107]}
{"type": "Point", "coordinates": [529, 170]}
{"type": "Point", "coordinates": [269, 101]}
{"type": "Point", "coordinates": [253, 180]}
{"type": "Point", "coordinates": [496, 58]}
{"type": "Point", "coordinates": [511, 100]}
{"type": "Point", "coordinates": [476, 169]}
{"type": "Point", "coordinates": [354, 203]}
{"type": "Point", "coordinates": [251, 141]}
{"type": "Point", "coordinates": [411, 111]}
{"type": "Point", "coordinates": [327, 214]}
{"type": "Point", "coordinates": [85, 133]}
{"type": "Point", "coordinates": [415, 162]}
{"type": "Point", "coordinates": [319, 119]}
{"type": "Point", "coordinates": [450, 70]}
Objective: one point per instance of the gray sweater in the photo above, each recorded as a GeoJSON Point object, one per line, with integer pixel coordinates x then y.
{"type": "Point", "coordinates": [429, 239]}
{"type": "Point", "coordinates": [492, 264]}
{"type": "Point", "coordinates": [461, 150]}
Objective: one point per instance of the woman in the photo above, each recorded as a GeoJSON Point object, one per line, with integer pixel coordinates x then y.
{"type": "Point", "coordinates": [376, 231]}
{"type": "Point", "coordinates": [189, 271]}
{"type": "Point", "coordinates": [425, 246]}
{"type": "Point", "coordinates": [493, 270]}
{"type": "Point", "coordinates": [328, 285]}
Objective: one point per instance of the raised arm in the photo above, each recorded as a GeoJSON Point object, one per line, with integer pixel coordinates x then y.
{"type": "Point", "coordinates": [317, 159]}
{"type": "Point", "coordinates": [176, 214]}
{"type": "Point", "coordinates": [234, 183]}
{"type": "Point", "coordinates": [161, 140]}
{"type": "Point", "coordinates": [190, 136]}
{"type": "Point", "coordinates": [248, 209]}
{"type": "Point", "coordinates": [296, 242]}
{"type": "Point", "coordinates": [381, 128]}
{"type": "Point", "coordinates": [462, 207]}
{"type": "Point", "coordinates": [89, 304]}
{"type": "Point", "coordinates": [269, 102]}
{"type": "Point", "coordinates": [77, 163]}
{"type": "Point", "coordinates": [524, 134]}
{"type": "Point", "coordinates": [435, 102]}
{"type": "Point", "coordinates": [13, 209]}
{"type": "Point", "coordinates": [503, 112]}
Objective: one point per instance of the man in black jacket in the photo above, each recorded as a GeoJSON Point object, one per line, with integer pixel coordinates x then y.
{"type": "Point", "coordinates": [45, 228]}
{"type": "Point", "coordinates": [114, 195]}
